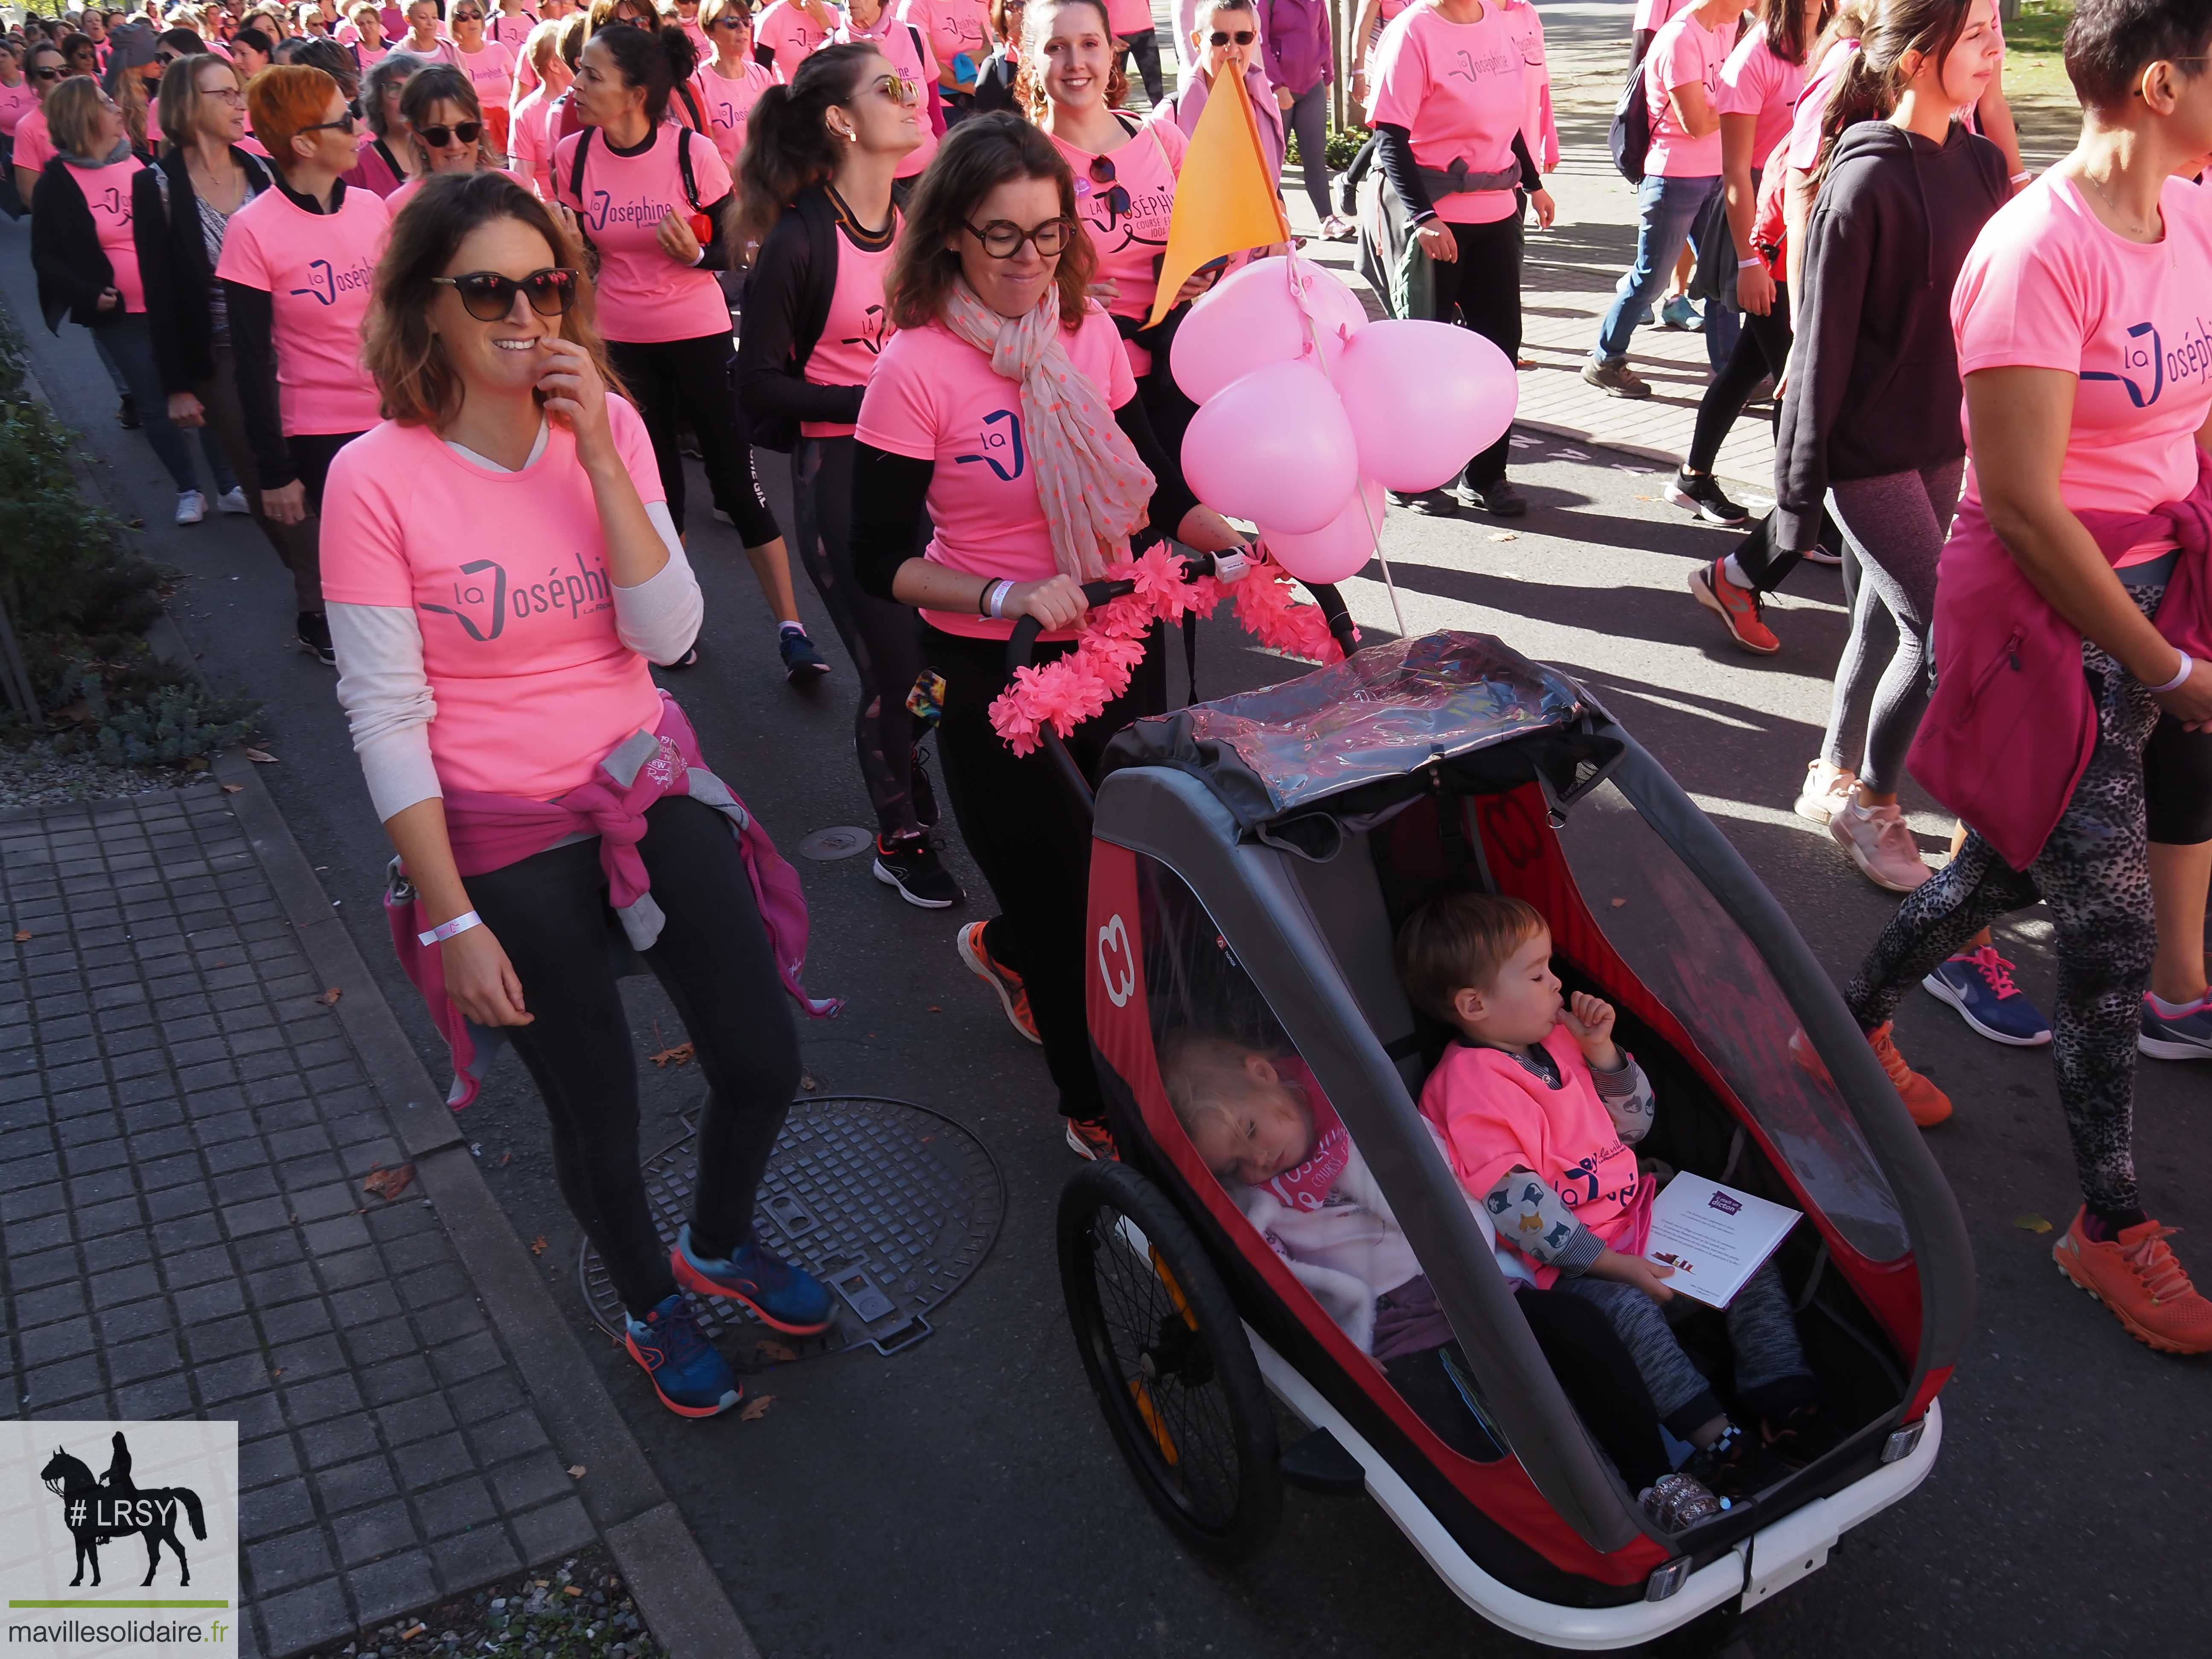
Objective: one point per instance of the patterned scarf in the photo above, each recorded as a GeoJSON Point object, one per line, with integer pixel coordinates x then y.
{"type": "Point", "coordinates": [1094, 489]}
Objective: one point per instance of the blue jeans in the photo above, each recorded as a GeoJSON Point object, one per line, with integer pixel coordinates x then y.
{"type": "Point", "coordinates": [1667, 210]}
{"type": "Point", "coordinates": [128, 344]}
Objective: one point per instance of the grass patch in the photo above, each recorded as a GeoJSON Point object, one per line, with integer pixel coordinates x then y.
{"type": "Point", "coordinates": [2035, 65]}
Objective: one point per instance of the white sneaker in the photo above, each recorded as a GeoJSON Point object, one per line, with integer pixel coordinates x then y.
{"type": "Point", "coordinates": [1880, 843]}
{"type": "Point", "coordinates": [192, 507]}
{"type": "Point", "coordinates": [1826, 788]}
{"type": "Point", "coordinates": [233, 499]}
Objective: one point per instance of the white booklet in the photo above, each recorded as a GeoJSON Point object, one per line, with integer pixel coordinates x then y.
{"type": "Point", "coordinates": [1713, 1237]}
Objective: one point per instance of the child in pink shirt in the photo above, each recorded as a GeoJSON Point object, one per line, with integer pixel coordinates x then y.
{"type": "Point", "coordinates": [1539, 1108]}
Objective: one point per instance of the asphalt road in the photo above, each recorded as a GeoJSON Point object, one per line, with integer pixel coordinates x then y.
{"type": "Point", "coordinates": [964, 1498]}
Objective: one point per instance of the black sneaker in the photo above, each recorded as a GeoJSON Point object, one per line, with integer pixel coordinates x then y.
{"type": "Point", "coordinates": [1428, 503]}
{"type": "Point", "coordinates": [315, 638]}
{"type": "Point", "coordinates": [126, 414]}
{"type": "Point", "coordinates": [688, 659]}
{"type": "Point", "coordinates": [1702, 494]}
{"type": "Point", "coordinates": [801, 661]}
{"type": "Point", "coordinates": [910, 864]}
{"type": "Point", "coordinates": [924, 793]}
{"type": "Point", "coordinates": [1501, 500]}
{"type": "Point", "coordinates": [1803, 1437]}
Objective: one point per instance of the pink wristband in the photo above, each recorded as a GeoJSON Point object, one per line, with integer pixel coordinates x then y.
{"type": "Point", "coordinates": [445, 930]}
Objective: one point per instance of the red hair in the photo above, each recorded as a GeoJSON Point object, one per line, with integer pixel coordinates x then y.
{"type": "Point", "coordinates": [285, 99]}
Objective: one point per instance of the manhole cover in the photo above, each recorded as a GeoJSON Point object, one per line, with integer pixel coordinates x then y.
{"type": "Point", "coordinates": [890, 1205]}
{"type": "Point", "coordinates": [839, 840]}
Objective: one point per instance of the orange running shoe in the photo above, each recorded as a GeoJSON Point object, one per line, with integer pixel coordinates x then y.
{"type": "Point", "coordinates": [1013, 995]}
{"type": "Point", "coordinates": [1093, 1141]}
{"type": "Point", "coordinates": [2138, 1278]}
{"type": "Point", "coordinates": [1928, 1104]}
{"type": "Point", "coordinates": [1738, 607]}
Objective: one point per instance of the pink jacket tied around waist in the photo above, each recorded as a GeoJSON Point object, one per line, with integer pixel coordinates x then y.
{"type": "Point", "coordinates": [490, 832]}
{"type": "Point", "coordinates": [2010, 728]}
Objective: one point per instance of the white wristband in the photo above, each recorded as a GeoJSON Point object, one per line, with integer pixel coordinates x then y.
{"type": "Point", "coordinates": [445, 930]}
{"type": "Point", "coordinates": [1745, 264]}
{"type": "Point", "coordinates": [2188, 662]}
{"type": "Point", "coordinates": [2019, 178]}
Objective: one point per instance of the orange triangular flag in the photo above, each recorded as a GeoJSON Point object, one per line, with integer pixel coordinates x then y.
{"type": "Point", "coordinates": [1225, 202]}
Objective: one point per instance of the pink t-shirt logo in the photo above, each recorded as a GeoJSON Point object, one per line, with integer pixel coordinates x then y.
{"type": "Point", "coordinates": [325, 281]}
{"type": "Point", "coordinates": [606, 211]}
{"type": "Point", "coordinates": [1002, 437]}
{"type": "Point", "coordinates": [2139, 357]}
{"type": "Point", "coordinates": [482, 609]}
{"type": "Point", "coordinates": [115, 202]}
{"type": "Point", "coordinates": [875, 327]}
{"type": "Point", "coordinates": [1493, 63]}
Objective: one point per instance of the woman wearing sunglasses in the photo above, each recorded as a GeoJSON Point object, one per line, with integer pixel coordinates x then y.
{"type": "Point", "coordinates": [1004, 408]}
{"type": "Point", "coordinates": [501, 714]}
{"type": "Point", "coordinates": [447, 126]}
{"type": "Point", "coordinates": [816, 185]}
{"type": "Point", "coordinates": [1225, 39]}
{"type": "Point", "coordinates": [297, 266]}
{"type": "Point", "coordinates": [43, 69]}
{"type": "Point", "coordinates": [870, 22]}
{"type": "Point", "coordinates": [731, 83]}
{"type": "Point", "coordinates": [652, 199]}
{"type": "Point", "coordinates": [489, 66]}
{"type": "Point", "coordinates": [1125, 186]}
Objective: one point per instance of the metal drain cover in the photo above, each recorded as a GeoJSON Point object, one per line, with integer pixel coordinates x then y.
{"type": "Point", "coordinates": [839, 840]}
{"type": "Point", "coordinates": [890, 1205]}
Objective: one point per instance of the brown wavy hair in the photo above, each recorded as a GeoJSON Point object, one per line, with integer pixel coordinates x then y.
{"type": "Point", "coordinates": [977, 157]}
{"type": "Point", "coordinates": [402, 355]}
{"type": "Point", "coordinates": [1029, 89]}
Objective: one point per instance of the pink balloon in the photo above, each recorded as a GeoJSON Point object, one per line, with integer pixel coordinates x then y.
{"type": "Point", "coordinates": [1251, 318]}
{"type": "Point", "coordinates": [1273, 445]}
{"type": "Point", "coordinates": [1424, 399]}
{"type": "Point", "coordinates": [1338, 550]}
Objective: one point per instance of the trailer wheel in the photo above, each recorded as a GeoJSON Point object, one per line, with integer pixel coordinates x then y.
{"type": "Point", "coordinates": [1167, 1358]}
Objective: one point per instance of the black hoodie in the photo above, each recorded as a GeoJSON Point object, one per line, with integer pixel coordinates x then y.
{"type": "Point", "coordinates": [1874, 373]}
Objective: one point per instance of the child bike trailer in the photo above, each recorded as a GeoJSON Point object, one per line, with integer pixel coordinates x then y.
{"type": "Point", "coordinates": [1251, 859]}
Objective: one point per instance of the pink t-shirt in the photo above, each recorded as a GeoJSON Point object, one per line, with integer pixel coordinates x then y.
{"type": "Point", "coordinates": [1537, 127]}
{"type": "Point", "coordinates": [645, 296]}
{"type": "Point", "coordinates": [854, 337]}
{"type": "Point", "coordinates": [952, 26]}
{"type": "Point", "coordinates": [507, 573]}
{"type": "Point", "coordinates": [16, 102]}
{"type": "Point", "coordinates": [408, 192]}
{"type": "Point", "coordinates": [318, 269]}
{"type": "Point", "coordinates": [1496, 1115]}
{"type": "Point", "coordinates": [1754, 81]}
{"type": "Point", "coordinates": [530, 141]}
{"type": "Point", "coordinates": [490, 71]}
{"type": "Point", "coordinates": [1130, 241]}
{"type": "Point", "coordinates": [790, 36]}
{"type": "Point", "coordinates": [1656, 14]}
{"type": "Point", "coordinates": [1128, 17]}
{"type": "Point", "coordinates": [1812, 106]}
{"type": "Point", "coordinates": [729, 104]}
{"type": "Point", "coordinates": [510, 29]}
{"type": "Point", "coordinates": [2047, 286]}
{"type": "Point", "coordinates": [107, 193]}
{"type": "Point", "coordinates": [936, 398]}
{"type": "Point", "coordinates": [907, 47]}
{"type": "Point", "coordinates": [1686, 54]}
{"type": "Point", "coordinates": [440, 51]}
{"type": "Point", "coordinates": [35, 146]}
{"type": "Point", "coordinates": [1460, 92]}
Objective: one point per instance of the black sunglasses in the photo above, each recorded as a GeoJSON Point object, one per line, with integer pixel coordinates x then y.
{"type": "Point", "coordinates": [1102, 171]}
{"type": "Point", "coordinates": [462, 132]}
{"type": "Point", "coordinates": [488, 296]}
{"type": "Point", "coordinates": [1242, 38]}
{"type": "Point", "coordinates": [165, 59]}
{"type": "Point", "coordinates": [48, 74]}
{"type": "Point", "coordinates": [1002, 238]}
{"type": "Point", "coordinates": [344, 123]}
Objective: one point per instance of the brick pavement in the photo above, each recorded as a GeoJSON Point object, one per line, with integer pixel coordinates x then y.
{"type": "Point", "coordinates": [183, 1132]}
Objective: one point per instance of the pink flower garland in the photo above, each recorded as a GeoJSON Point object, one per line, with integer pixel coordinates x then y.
{"type": "Point", "coordinates": [1064, 693]}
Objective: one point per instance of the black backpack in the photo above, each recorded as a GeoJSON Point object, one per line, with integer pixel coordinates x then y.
{"type": "Point", "coordinates": [576, 182]}
{"type": "Point", "coordinates": [1630, 136]}
{"type": "Point", "coordinates": [819, 221]}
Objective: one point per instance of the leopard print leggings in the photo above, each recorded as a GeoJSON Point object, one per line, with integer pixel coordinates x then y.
{"type": "Point", "coordinates": [2094, 873]}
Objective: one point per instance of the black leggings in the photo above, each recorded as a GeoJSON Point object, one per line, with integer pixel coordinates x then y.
{"type": "Point", "coordinates": [1032, 841]}
{"type": "Point", "coordinates": [882, 638]}
{"type": "Point", "coordinates": [1484, 284]}
{"type": "Point", "coordinates": [1145, 49]}
{"type": "Point", "coordinates": [673, 380]}
{"type": "Point", "coordinates": [313, 454]}
{"type": "Point", "coordinates": [551, 913]}
{"type": "Point", "coordinates": [1761, 350]}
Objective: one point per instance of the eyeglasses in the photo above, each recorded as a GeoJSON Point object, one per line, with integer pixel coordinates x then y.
{"type": "Point", "coordinates": [1002, 238]}
{"type": "Point", "coordinates": [899, 89]}
{"type": "Point", "coordinates": [488, 296]}
{"type": "Point", "coordinates": [344, 123]}
{"type": "Point", "coordinates": [461, 132]}
{"type": "Point", "coordinates": [1102, 171]}
{"type": "Point", "coordinates": [734, 24]}
{"type": "Point", "coordinates": [228, 94]}
{"type": "Point", "coordinates": [468, 17]}
{"type": "Point", "coordinates": [1242, 38]}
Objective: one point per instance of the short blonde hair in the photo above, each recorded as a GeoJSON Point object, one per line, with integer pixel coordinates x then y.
{"type": "Point", "coordinates": [1462, 942]}
{"type": "Point", "coordinates": [1204, 1076]}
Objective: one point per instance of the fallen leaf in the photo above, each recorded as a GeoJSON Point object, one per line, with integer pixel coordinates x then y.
{"type": "Point", "coordinates": [75, 711]}
{"type": "Point", "coordinates": [197, 764]}
{"type": "Point", "coordinates": [2031, 1224]}
{"type": "Point", "coordinates": [1618, 903]}
{"type": "Point", "coordinates": [1647, 498]}
{"type": "Point", "coordinates": [388, 1184]}
{"type": "Point", "coordinates": [571, 1590]}
{"type": "Point", "coordinates": [934, 1009]}
{"type": "Point", "coordinates": [330, 998]}
{"type": "Point", "coordinates": [538, 1245]}
{"type": "Point", "coordinates": [23, 936]}
{"type": "Point", "coordinates": [678, 1055]}
{"type": "Point", "coordinates": [506, 1158]}
{"type": "Point", "coordinates": [770, 1350]}
{"type": "Point", "coordinates": [233, 788]}
{"type": "Point", "coordinates": [261, 757]}
{"type": "Point", "coordinates": [575, 1471]}
{"type": "Point", "coordinates": [1505, 535]}
{"type": "Point", "coordinates": [806, 1082]}
{"type": "Point", "coordinates": [756, 1408]}
{"type": "Point", "coordinates": [279, 1371]}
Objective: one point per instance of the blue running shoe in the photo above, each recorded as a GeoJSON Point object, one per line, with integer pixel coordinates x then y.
{"type": "Point", "coordinates": [789, 1298]}
{"type": "Point", "coordinates": [692, 1378]}
{"type": "Point", "coordinates": [801, 662]}
{"type": "Point", "coordinates": [1979, 984]}
{"type": "Point", "coordinates": [2185, 1036]}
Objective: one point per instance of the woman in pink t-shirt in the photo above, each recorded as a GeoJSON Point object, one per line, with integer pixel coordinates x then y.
{"type": "Point", "coordinates": [1124, 185]}
{"type": "Point", "coordinates": [445, 128]}
{"type": "Point", "coordinates": [731, 82]}
{"type": "Point", "coordinates": [652, 199]}
{"type": "Point", "coordinates": [1450, 103]}
{"type": "Point", "coordinates": [384, 155]}
{"type": "Point", "coordinates": [86, 264]}
{"type": "Point", "coordinates": [2073, 713]}
{"type": "Point", "coordinates": [489, 66]}
{"type": "Point", "coordinates": [871, 23]}
{"type": "Point", "coordinates": [530, 133]}
{"type": "Point", "coordinates": [788, 30]}
{"type": "Point", "coordinates": [817, 192]}
{"type": "Point", "coordinates": [501, 575]}
{"type": "Point", "coordinates": [426, 36]}
{"type": "Point", "coordinates": [32, 147]}
{"type": "Point", "coordinates": [1004, 407]}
